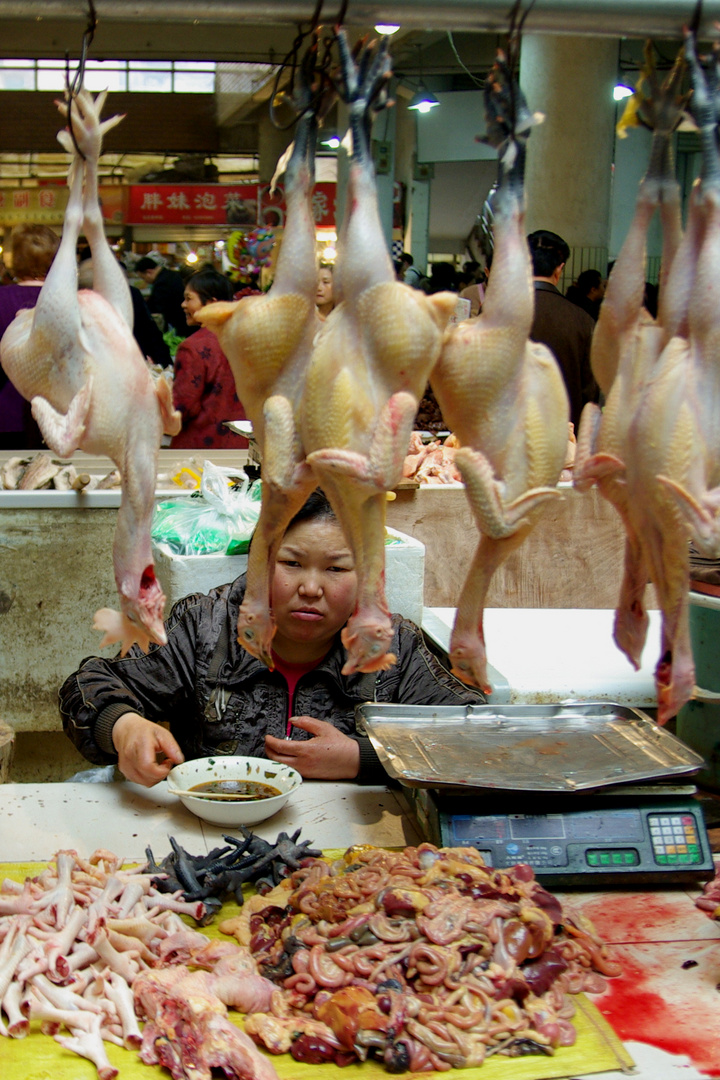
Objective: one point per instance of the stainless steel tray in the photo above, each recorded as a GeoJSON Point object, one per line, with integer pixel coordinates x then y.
{"type": "Point", "coordinates": [523, 747]}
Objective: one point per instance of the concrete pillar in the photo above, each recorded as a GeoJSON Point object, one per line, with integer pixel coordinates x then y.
{"type": "Point", "coordinates": [419, 223]}
{"type": "Point", "coordinates": [569, 163]}
{"type": "Point", "coordinates": [271, 144]}
{"type": "Point", "coordinates": [384, 136]}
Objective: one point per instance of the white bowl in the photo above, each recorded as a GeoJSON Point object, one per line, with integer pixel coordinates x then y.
{"type": "Point", "coordinates": [226, 811]}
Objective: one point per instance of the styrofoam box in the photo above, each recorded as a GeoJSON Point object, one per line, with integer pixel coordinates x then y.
{"type": "Point", "coordinates": [180, 575]}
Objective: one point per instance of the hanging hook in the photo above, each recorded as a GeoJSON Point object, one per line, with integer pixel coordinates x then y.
{"type": "Point", "coordinates": [72, 86]}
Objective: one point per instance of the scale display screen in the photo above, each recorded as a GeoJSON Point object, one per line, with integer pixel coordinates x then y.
{"type": "Point", "coordinates": [622, 824]}
{"type": "Point", "coordinates": [599, 839]}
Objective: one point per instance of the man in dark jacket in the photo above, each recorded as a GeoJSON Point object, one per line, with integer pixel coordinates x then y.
{"type": "Point", "coordinates": [565, 328]}
{"type": "Point", "coordinates": [166, 295]}
{"type": "Point", "coordinates": [218, 699]}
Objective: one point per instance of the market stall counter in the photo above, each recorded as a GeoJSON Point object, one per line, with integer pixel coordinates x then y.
{"type": "Point", "coordinates": [56, 570]}
{"type": "Point", "coordinates": [664, 1005]}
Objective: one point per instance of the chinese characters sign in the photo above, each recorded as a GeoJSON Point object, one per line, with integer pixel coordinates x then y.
{"type": "Point", "coordinates": [37, 206]}
{"type": "Point", "coordinates": [220, 204]}
{"type": "Point", "coordinates": [46, 205]}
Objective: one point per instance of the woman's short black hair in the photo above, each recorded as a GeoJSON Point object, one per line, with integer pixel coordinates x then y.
{"type": "Point", "coordinates": [210, 285]}
{"type": "Point", "coordinates": [315, 508]}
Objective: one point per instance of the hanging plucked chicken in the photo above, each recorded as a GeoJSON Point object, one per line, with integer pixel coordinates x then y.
{"type": "Point", "coordinates": [501, 394]}
{"type": "Point", "coordinates": [369, 368]}
{"type": "Point", "coordinates": [75, 358]}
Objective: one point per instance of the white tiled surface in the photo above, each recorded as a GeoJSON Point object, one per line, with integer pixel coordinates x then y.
{"type": "Point", "coordinates": [656, 932]}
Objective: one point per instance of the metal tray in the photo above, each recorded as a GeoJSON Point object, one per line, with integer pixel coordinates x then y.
{"type": "Point", "coordinates": [523, 747]}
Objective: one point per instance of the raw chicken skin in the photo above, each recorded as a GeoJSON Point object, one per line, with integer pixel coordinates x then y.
{"type": "Point", "coordinates": [268, 341]}
{"type": "Point", "coordinates": [504, 398]}
{"type": "Point", "coordinates": [75, 358]}
{"type": "Point", "coordinates": [369, 368]}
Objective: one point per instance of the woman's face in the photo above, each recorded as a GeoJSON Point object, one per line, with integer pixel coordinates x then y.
{"type": "Point", "coordinates": [324, 294]}
{"type": "Point", "coordinates": [314, 589]}
{"type": "Point", "coordinates": [191, 303]}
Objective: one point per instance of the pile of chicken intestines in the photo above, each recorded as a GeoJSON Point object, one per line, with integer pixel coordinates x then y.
{"type": "Point", "coordinates": [425, 958]}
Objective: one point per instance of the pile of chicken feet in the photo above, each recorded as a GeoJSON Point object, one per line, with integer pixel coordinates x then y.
{"type": "Point", "coordinates": [86, 947]}
{"type": "Point", "coordinates": [654, 451]}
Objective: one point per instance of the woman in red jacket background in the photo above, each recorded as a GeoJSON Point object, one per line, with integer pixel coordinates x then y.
{"type": "Point", "coordinates": [204, 386]}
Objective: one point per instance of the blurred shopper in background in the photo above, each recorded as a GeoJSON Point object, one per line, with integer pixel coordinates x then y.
{"type": "Point", "coordinates": [32, 250]}
{"type": "Point", "coordinates": [204, 385]}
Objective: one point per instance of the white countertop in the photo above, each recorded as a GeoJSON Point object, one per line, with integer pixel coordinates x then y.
{"type": "Point", "coordinates": [544, 655]}
{"type": "Point", "coordinates": [39, 819]}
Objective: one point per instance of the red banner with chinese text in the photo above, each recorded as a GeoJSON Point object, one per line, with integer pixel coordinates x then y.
{"type": "Point", "coordinates": [220, 204]}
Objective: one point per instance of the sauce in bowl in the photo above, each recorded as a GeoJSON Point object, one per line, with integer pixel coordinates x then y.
{"type": "Point", "coordinates": [242, 789]}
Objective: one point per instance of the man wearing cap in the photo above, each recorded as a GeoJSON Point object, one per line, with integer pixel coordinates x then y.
{"type": "Point", "coordinates": [166, 295]}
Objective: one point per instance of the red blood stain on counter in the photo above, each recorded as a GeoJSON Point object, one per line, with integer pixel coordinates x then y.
{"type": "Point", "coordinates": [625, 917]}
{"type": "Point", "coordinates": [659, 1002]}
{"type": "Point", "coordinates": [656, 1000]}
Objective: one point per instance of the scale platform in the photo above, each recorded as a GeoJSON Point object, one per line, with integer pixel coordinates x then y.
{"type": "Point", "coordinates": [589, 794]}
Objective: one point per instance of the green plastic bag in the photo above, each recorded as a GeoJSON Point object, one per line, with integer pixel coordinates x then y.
{"type": "Point", "coordinates": [217, 519]}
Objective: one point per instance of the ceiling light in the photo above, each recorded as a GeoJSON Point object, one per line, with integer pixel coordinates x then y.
{"type": "Point", "coordinates": [621, 91]}
{"type": "Point", "coordinates": [386, 28]}
{"type": "Point", "coordinates": [423, 101]}
{"type": "Point", "coordinates": [191, 257]}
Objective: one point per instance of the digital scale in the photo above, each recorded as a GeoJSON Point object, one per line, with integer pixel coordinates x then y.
{"type": "Point", "coordinates": [588, 794]}
{"type": "Point", "coordinates": [646, 833]}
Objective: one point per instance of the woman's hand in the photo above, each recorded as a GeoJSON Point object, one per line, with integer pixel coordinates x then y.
{"type": "Point", "coordinates": [328, 755]}
{"type": "Point", "coordinates": [146, 751]}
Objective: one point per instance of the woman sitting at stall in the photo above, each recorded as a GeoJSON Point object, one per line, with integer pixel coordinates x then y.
{"type": "Point", "coordinates": [204, 385]}
{"type": "Point", "coordinates": [218, 699]}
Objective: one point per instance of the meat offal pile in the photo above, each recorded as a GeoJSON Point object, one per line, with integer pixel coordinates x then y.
{"type": "Point", "coordinates": [425, 959]}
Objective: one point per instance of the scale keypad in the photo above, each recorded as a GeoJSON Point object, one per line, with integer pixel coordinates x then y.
{"type": "Point", "coordinates": [674, 839]}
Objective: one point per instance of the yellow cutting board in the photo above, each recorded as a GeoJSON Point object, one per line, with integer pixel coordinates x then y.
{"type": "Point", "coordinates": [39, 1057]}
